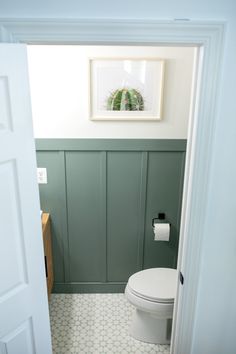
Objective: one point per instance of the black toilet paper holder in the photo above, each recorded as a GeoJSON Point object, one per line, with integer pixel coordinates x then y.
{"type": "Point", "coordinates": [161, 217]}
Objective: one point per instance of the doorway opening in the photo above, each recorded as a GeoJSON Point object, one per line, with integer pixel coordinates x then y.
{"type": "Point", "coordinates": [59, 91]}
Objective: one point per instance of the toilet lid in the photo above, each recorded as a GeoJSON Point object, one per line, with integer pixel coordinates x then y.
{"type": "Point", "coordinates": [155, 284]}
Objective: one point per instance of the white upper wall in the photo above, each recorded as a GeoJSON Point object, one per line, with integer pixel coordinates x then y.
{"type": "Point", "coordinates": [59, 80]}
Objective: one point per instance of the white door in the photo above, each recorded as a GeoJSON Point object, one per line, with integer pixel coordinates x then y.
{"type": "Point", "coordinates": [24, 320]}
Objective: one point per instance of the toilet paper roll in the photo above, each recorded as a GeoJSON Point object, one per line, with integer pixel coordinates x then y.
{"type": "Point", "coordinates": [161, 232]}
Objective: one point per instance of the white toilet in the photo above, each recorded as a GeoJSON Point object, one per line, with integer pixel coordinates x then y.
{"type": "Point", "coordinates": [152, 292]}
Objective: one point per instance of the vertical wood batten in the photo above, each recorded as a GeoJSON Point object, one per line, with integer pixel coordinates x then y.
{"type": "Point", "coordinates": [64, 214]}
{"type": "Point", "coordinates": [142, 210]}
{"type": "Point", "coordinates": [103, 210]}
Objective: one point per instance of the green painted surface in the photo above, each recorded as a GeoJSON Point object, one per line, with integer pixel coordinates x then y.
{"type": "Point", "coordinates": [164, 194]}
{"type": "Point", "coordinates": [85, 224]}
{"type": "Point", "coordinates": [52, 201]}
{"type": "Point", "coordinates": [111, 144]}
{"type": "Point", "coordinates": [102, 195]}
{"type": "Point", "coordinates": [89, 287]}
{"type": "Point", "coordinates": [123, 206]}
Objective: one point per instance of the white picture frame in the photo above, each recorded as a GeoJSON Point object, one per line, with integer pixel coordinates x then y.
{"type": "Point", "coordinates": [144, 75]}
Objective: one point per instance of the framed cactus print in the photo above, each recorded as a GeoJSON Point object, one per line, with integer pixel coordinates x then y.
{"type": "Point", "coordinates": [126, 88]}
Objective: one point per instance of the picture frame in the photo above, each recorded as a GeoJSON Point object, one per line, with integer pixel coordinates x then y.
{"type": "Point", "coordinates": [126, 88]}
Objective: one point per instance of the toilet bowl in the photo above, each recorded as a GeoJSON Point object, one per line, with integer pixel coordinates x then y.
{"type": "Point", "coordinates": [152, 293]}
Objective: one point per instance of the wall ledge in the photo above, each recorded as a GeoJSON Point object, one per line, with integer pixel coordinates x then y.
{"type": "Point", "coordinates": [111, 144]}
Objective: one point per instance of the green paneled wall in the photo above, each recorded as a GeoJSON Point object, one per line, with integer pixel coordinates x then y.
{"type": "Point", "coordinates": [102, 195]}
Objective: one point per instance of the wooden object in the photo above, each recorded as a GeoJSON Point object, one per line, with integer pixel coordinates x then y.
{"type": "Point", "coordinates": [47, 243]}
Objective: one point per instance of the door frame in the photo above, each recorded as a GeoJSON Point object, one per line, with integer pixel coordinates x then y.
{"type": "Point", "coordinates": [208, 36]}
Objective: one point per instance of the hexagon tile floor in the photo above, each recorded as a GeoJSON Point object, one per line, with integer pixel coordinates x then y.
{"type": "Point", "coordinates": [95, 324]}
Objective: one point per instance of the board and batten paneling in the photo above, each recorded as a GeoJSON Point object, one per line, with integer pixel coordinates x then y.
{"type": "Point", "coordinates": [102, 195]}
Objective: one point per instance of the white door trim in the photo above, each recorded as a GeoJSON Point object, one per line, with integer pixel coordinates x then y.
{"type": "Point", "coordinates": [208, 36]}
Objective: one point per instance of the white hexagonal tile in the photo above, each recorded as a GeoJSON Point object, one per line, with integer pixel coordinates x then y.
{"type": "Point", "coordinates": [93, 324]}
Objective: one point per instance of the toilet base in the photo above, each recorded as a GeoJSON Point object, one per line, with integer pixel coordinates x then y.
{"type": "Point", "coordinates": [147, 327]}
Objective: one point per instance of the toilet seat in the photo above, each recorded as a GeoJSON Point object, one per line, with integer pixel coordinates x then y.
{"type": "Point", "coordinates": [155, 284]}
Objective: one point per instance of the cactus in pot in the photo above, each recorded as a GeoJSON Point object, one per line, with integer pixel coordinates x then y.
{"type": "Point", "coordinates": [125, 99]}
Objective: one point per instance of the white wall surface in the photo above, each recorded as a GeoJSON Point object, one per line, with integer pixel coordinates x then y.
{"type": "Point", "coordinates": [59, 80]}
{"type": "Point", "coordinates": [215, 319]}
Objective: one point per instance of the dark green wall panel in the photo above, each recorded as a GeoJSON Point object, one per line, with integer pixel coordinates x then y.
{"type": "Point", "coordinates": [51, 200]}
{"type": "Point", "coordinates": [123, 206]}
{"type": "Point", "coordinates": [164, 194]}
{"type": "Point", "coordinates": [85, 222]}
